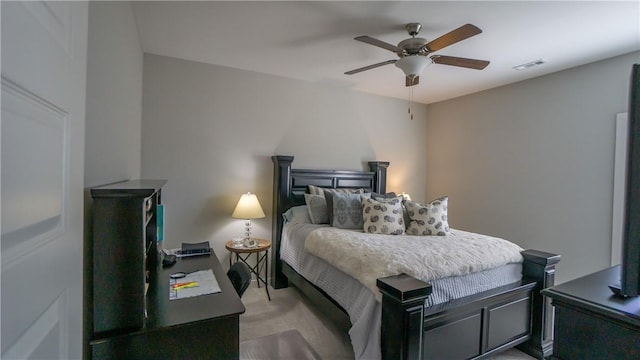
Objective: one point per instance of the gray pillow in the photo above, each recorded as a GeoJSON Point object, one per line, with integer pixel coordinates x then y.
{"type": "Point", "coordinates": [345, 209]}
{"type": "Point", "coordinates": [317, 209]}
{"type": "Point", "coordinates": [377, 196]}
{"type": "Point", "coordinates": [319, 191]}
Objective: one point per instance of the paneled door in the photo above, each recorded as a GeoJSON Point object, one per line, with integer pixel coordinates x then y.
{"type": "Point", "coordinates": [44, 47]}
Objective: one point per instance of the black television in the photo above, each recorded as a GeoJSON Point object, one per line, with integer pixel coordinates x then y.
{"type": "Point", "coordinates": [630, 267]}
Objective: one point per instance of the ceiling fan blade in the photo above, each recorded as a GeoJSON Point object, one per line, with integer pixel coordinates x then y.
{"type": "Point", "coordinates": [411, 81]}
{"type": "Point", "coordinates": [463, 32]}
{"type": "Point", "coordinates": [461, 62]}
{"type": "Point", "coordinates": [373, 66]}
{"type": "Point", "coordinates": [379, 43]}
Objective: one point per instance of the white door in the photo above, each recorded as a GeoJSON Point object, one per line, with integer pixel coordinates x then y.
{"type": "Point", "coordinates": [44, 47]}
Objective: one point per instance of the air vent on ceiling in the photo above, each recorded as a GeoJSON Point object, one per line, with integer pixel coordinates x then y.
{"type": "Point", "coordinates": [529, 64]}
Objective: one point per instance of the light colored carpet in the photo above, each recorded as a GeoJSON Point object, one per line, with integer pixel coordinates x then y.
{"type": "Point", "coordinates": [288, 309]}
{"type": "Point", "coordinates": [284, 345]}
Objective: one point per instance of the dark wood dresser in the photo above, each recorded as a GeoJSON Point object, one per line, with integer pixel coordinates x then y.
{"type": "Point", "coordinates": [592, 323]}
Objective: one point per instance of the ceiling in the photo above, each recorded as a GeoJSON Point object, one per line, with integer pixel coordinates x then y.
{"type": "Point", "coordinates": [313, 40]}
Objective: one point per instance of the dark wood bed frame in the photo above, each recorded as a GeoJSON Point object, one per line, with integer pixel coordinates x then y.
{"type": "Point", "coordinates": [473, 327]}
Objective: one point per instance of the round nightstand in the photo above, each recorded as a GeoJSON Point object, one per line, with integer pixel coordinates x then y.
{"type": "Point", "coordinates": [242, 253]}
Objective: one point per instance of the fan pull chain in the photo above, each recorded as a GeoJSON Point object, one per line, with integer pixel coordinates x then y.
{"type": "Point", "coordinates": [410, 102]}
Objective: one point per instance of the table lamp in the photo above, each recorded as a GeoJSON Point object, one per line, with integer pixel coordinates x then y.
{"type": "Point", "coordinates": [248, 208]}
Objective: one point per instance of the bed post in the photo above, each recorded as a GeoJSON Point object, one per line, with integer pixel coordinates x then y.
{"type": "Point", "coordinates": [380, 179]}
{"type": "Point", "coordinates": [401, 336]}
{"type": "Point", "coordinates": [541, 267]}
{"type": "Point", "coordinates": [281, 178]}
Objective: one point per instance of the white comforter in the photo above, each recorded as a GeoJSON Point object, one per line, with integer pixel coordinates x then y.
{"type": "Point", "coordinates": [368, 257]}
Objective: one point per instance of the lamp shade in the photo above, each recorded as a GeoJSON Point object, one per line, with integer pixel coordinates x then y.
{"type": "Point", "coordinates": [413, 65]}
{"type": "Point", "coordinates": [248, 208]}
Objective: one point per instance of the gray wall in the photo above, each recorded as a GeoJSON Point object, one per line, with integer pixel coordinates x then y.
{"type": "Point", "coordinates": [211, 131]}
{"type": "Point", "coordinates": [533, 161]}
{"type": "Point", "coordinates": [114, 95]}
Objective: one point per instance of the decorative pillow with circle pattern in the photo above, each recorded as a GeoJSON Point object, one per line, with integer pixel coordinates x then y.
{"type": "Point", "coordinates": [383, 216]}
{"type": "Point", "coordinates": [429, 219]}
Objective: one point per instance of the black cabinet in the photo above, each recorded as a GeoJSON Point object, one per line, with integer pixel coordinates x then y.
{"type": "Point", "coordinates": [592, 323]}
{"type": "Point", "coordinates": [124, 252]}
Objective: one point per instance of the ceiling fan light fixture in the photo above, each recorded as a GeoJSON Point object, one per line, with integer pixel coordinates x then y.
{"type": "Point", "coordinates": [413, 65]}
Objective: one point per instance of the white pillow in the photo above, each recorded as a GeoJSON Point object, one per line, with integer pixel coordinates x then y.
{"type": "Point", "coordinates": [383, 216]}
{"type": "Point", "coordinates": [297, 215]}
{"type": "Point", "coordinates": [429, 219]}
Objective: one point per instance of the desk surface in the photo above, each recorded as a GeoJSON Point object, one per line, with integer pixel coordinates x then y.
{"type": "Point", "coordinates": [592, 291]}
{"type": "Point", "coordinates": [209, 322]}
{"type": "Point", "coordinates": [163, 312]}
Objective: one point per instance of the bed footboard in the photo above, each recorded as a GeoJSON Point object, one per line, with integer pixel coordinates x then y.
{"type": "Point", "coordinates": [402, 316]}
{"type": "Point", "coordinates": [476, 326]}
{"type": "Point", "coordinates": [540, 267]}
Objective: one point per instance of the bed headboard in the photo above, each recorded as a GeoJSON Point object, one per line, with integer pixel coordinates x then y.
{"type": "Point", "coordinates": [290, 185]}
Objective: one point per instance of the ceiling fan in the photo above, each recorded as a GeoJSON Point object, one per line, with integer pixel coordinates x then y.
{"type": "Point", "coordinates": [416, 53]}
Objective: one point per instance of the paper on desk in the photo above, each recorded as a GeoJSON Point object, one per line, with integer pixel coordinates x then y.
{"type": "Point", "coordinates": [207, 284]}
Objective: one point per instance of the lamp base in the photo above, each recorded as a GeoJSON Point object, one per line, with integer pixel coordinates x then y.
{"type": "Point", "coordinates": [250, 242]}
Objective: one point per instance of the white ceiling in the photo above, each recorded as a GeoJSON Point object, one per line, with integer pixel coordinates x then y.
{"type": "Point", "coordinates": [313, 40]}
